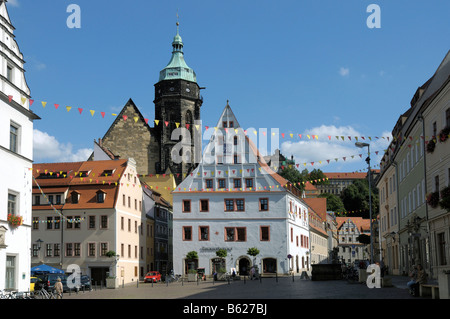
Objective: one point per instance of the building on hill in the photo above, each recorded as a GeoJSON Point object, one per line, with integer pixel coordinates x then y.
{"type": "Point", "coordinates": [337, 182]}
{"type": "Point", "coordinates": [173, 144]}
{"type": "Point", "coordinates": [16, 158]}
{"type": "Point", "coordinates": [234, 201]}
{"type": "Point", "coordinates": [82, 211]}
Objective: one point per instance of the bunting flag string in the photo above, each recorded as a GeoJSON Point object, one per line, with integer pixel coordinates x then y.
{"type": "Point", "coordinates": [313, 137]}
{"type": "Point", "coordinates": [188, 125]}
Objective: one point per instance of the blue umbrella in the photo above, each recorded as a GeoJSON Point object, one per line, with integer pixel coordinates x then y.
{"type": "Point", "coordinates": [45, 269]}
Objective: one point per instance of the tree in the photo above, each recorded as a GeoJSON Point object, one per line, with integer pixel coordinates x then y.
{"type": "Point", "coordinates": [222, 253]}
{"type": "Point", "coordinates": [334, 203]}
{"type": "Point", "coordinates": [364, 239]}
{"type": "Point", "coordinates": [356, 198]}
{"type": "Point", "coordinates": [192, 255]}
{"type": "Point", "coordinates": [294, 176]}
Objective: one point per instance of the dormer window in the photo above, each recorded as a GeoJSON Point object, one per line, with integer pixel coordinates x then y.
{"type": "Point", "coordinates": [75, 197]}
{"type": "Point", "coordinates": [108, 172]}
{"type": "Point", "coordinates": [9, 73]}
{"type": "Point", "coordinates": [101, 196]}
{"type": "Point", "coordinates": [84, 173]}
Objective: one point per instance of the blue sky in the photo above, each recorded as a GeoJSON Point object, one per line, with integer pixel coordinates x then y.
{"type": "Point", "coordinates": [302, 67]}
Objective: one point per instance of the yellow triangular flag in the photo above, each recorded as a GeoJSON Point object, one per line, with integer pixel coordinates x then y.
{"type": "Point", "coordinates": [177, 124]}
{"type": "Point", "coordinates": [44, 104]}
{"type": "Point", "coordinates": [156, 122]}
{"type": "Point", "coordinates": [92, 112]}
{"type": "Point", "coordinates": [136, 119]}
{"type": "Point", "coordinates": [68, 108]}
{"type": "Point", "coordinates": [23, 100]}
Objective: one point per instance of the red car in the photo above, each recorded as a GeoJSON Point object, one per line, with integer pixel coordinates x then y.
{"type": "Point", "coordinates": [152, 276]}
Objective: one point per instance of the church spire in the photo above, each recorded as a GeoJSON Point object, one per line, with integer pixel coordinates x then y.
{"type": "Point", "coordinates": [177, 67]}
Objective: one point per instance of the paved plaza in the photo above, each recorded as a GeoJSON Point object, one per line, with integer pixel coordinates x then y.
{"type": "Point", "coordinates": [267, 288]}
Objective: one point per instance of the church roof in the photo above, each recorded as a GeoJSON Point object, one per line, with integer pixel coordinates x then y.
{"type": "Point", "coordinates": [177, 67]}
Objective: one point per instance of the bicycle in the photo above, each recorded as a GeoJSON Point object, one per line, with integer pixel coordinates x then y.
{"type": "Point", "coordinates": [5, 294]}
{"type": "Point", "coordinates": [44, 294]}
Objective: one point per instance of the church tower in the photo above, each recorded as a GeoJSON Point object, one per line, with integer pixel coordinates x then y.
{"type": "Point", "coordinates": [177, 109]}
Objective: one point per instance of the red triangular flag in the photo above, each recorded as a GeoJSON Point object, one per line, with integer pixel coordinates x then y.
{"type": "Point", "coordinates": [125, 117]}
{"type": "Point", "coordinates": [31, 102]}
{"type": "Point", "coordinates": [80, 110]}
{"type": "Point", "coordinates": [56, 106]}
{"type": "Point", "coordinates": [103, 114]}
{"type": "Point", "coordinates": [10, 97]}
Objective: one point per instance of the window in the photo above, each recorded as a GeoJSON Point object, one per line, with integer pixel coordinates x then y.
{"type": "Point", "coordinates": [229, 205]}
{"type": "Point", "coordinates": [187, 233]}
{"type": "Point", "coordinates": [14, 138]}
{"type": "Point", "coordinates": [103, 249]}
{"type": "Point", "coordinates": [75, 197]}
{"type": "Point", "coordinates": [237, 183]}
{"type": "Point", "coordinates": [103, 222]}
{"type": "Point", "coordinates": [235, 234]}
{"type": "Point", "coordinates": [91, 250]}
{"type": "Point", "coordinates": [263, 204]}
{"type": "Point", "coordinates": [230, 124]}
{"type": "Point", "coordinates": [9, 73]}
{"type": "Point", "coordinates": [232, 205]}
{"type": "Point", "coordinates": [249, 182]}
{"type": "Point", "coordinates": [224, 123]}
{"type": "Point", "coordinates": [235, 140]}
{"type": "Point", "coordinates": [264, 233]}
{"type": "Point", "coordinates": [204, 205]}
{"type": "Point", "coordinates": [436, 183]}
{"type": "Point", "coordinates": [447, 117]}
{"type": "Point", "coordinates": [37, 200]}
{"type": "Point", "coordinates": [236, 159]}
{"type": "Point", "coordinates": [49, 222]}
{"type": "Point", "coordinates": [100, 197]}
{"type": "Point", "coordinates": [204, 233]}
{"type": "Point", "coordinates": [209, 183]}
{"type": "Point", "coordinates": [240, 205]}
{"type": "Point", "coordinates": [12, 204]}
{"type": "Point", "coordinates": [186, 206]}
{"type": "Point", "coordinates": [221, 182]}
{"type": "Point", "coordinates": [219, 159]}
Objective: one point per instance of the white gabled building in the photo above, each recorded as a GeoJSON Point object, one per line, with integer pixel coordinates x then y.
{"type": "Point", "coordinates": [16, 156]}
{"type": "Point", "coordinates": [234, 201]}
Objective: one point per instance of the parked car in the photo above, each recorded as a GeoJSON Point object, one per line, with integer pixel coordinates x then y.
{"type": "Point", "coordinates": [33, 281]}
{"type": "Point", "coordinates": [152, 276]}
{"type": "Point", "coordinates": [85, 283]}
{"type": "Point", "coordinates": [48, 282]}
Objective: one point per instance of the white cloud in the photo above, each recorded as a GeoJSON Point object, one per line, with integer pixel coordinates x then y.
{"type": "Point", "coordinates": [344, 71]}
{"type": "Point", "coordinates": [13, 3]}
{"type": "Point", "coordinates": [332, 146]}
{"type": "Point", "coordinates": [46, 148]}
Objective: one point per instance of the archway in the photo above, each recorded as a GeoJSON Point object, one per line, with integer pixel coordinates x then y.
{"type": "Point", "coordinates": [243, 266]}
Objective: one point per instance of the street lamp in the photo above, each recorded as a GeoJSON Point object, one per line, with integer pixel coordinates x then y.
{"type": "Point", "coordinates": [361, 145]}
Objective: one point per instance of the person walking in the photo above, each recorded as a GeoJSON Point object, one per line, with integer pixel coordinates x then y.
{"type": "Point", "coordinates": [59, 288]}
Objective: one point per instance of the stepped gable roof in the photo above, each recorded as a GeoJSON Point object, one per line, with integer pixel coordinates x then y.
{"type": "Point", "coordinates": [251, 154]}
{"type": "Point", "coordinates": [362, 224]}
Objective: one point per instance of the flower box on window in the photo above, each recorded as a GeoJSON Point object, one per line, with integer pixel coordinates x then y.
{"type": "Point", "coordinates": [443, 134]}
{"type": "Point", "coordinates": [15, 220]}
{"type": "Point", "coordinates": [433, 199]}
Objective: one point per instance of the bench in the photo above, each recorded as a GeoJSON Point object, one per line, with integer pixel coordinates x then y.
{"type": "Point", "coordinates": [429, 289]}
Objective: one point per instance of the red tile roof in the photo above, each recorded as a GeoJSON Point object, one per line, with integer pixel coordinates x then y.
{"type": "Point", "coordinates": [65, 177]}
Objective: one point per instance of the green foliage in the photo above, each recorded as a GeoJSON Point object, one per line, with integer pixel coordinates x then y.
{"type": "Point", "coordinates": [334, 203]}
{"type": "Point", "coordinates": [253, 251]}
{"type": "Point", "coordinates": [192, 255]}
{"type": "Point", "coordinates": [356, 197]}
{"type": "Point", "coordinates": [221, 253]}
{"type": "Point", "coordinates": [294, 176]}
{"type": "Point", "coordinates": [364, 239]}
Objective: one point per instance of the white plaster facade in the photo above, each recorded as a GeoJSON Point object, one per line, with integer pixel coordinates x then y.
{"type": "Point", "coordinates": [238, 204]}
{"type": "Point", "coordinates": [16, 155]}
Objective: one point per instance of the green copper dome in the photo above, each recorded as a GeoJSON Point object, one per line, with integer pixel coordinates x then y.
{"type": "Point", "coordinates": [177, 67]}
